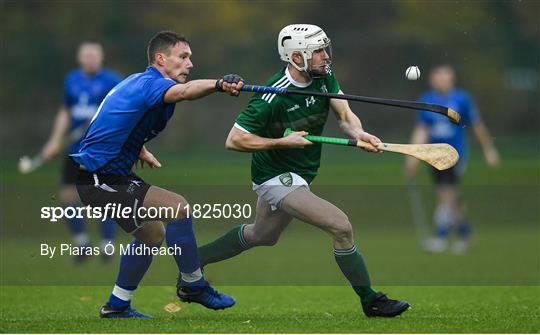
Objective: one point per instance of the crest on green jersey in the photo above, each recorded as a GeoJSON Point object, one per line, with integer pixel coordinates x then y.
{"type": "Point", "coordinates": [286, 179]}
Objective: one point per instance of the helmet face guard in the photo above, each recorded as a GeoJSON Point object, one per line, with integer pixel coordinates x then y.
{"type": "Point", "coordinates": [324, 69]}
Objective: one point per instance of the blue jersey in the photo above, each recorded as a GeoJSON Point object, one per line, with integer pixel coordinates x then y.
{"type": "Point", "coordinates": [82, 95]}
{"type": "Point", "coordinates": [442, 130]}
{"type": "Point", "coordinates": [130, 115]}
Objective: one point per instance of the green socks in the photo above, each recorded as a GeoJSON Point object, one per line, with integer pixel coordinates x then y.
{"type": "Point", "coordinates": [353, 267]}
{"type": "Point", "coordinates": [227, 246]}
{"type": "Point", "coordinates": [349, 260]}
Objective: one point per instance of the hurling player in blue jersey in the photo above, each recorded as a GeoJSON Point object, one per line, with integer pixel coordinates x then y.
{"type": "Point", "coordinates": [435, 128]}
{"type": "Point", "coordinates": [133, 113]}
{"type": "Point", "coordinates": [84, 89]}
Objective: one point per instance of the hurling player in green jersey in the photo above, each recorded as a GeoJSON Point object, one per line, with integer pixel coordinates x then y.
{"type": "Point", "coordinates": [283, 167]}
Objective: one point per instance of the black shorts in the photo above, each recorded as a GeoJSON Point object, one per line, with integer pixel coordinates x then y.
{"type": "Point", "coordinates": [450, 176]}
{"type": "Point", "coordinates": [98, 190]}
{"type": "Point", "coordinates": [69, 173]}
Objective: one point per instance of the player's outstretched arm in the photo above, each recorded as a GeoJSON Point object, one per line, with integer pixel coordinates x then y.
{"type": "Point", "coordinates": [196, 89]}
{"type": "Point", "coordinates": [240, 140]}
{"type": "Point", "coordinates": [60, 128]}
{"type": "Point", "coordinates": [351, 124]}
{"type": "Point", "coordinates": [490, 152]}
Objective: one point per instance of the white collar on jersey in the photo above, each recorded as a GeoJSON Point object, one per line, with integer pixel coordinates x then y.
{"type": "Point", "coordinates": [294, 82]}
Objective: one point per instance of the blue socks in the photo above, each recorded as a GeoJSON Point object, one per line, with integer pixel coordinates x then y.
{"type": "Point", "coordinates": [77, 227]}
{"type": "Point", "coordinates": [442, 231]}
{"type": "Point", "coordinates": [444, 219]}
{"type": "Point", "coordinates": [463, 229]}
{"type": "Point", "coordinates": [108, 230]}
{"type": "Point", "coordinates": [78, 230]}
{"type": "Point", "coordinates": [132, 270]}
{"type": "Point", "coordinates": [120, 298]}
{"type": "Point", "coordinates": [180, 234]}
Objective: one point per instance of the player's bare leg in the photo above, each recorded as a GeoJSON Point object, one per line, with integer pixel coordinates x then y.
{"type": "Point", "coordinates": [450, 213]}
{"type": "Point", "coordinates": [308, 207]}
{"type": "Point", "coordinates": [268, 225]}
{"type": "Point", "coordinates": [264, 231]}
{"type": "Point", "coordinates": [68, 194]}
{"type": "Point", "coordinates": [152, 233]}
{"type": "Point", "coordinates": [304, 205]}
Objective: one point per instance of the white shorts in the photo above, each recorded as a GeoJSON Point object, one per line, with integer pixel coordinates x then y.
{"type": "Point", "coordinates": [274, 190]}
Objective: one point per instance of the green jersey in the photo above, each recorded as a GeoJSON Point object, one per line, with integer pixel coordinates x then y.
{"type": "Point", "coordinates": [268, 115]}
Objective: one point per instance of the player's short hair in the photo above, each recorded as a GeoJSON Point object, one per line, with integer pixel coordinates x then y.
{"type": "Point", "coordinates": [90, 41]}
{"type": "Point", "coordinates": [163, 42]}
{"type": "Point", "coordinates": [444, 67]}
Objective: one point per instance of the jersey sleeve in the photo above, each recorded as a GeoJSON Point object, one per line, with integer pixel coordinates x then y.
{"type": "Point", "coordinates": [470, 113]}
{"type": "Point", "coordinates": [424, 117]}
{"type": "Point", "coordinates": [256, 115]}
{"type": "Point", "coordinates": [154, 91]}
{"type": "Point", "coordinates": [332, 84]}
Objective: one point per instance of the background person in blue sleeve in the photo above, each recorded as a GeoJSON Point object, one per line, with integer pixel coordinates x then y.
{"type": "Point", "coordinates": [133, 113]}
{"type": "Point", "coordinates": [84, 89]}
{"type": "Point", "coordinates": [434, 128]}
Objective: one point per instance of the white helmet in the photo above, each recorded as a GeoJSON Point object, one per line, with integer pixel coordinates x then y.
{"type": "Point", "coordinates": [305, 39]}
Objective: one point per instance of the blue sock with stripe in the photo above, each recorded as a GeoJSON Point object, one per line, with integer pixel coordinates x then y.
{"type": "Point", "coordinates": [132, 270]}
{"type": "Point", "coordinates": [108, 230]}
{"type": "Point", "coordinates": [77, 227]}
{"type": "Point", "coordinates": [179, 234]}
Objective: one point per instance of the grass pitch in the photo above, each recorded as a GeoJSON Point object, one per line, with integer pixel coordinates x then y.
{"type": "Point", "coordinates": [294, 287]}
{"type": "Point", "coordinates": [276, 309]}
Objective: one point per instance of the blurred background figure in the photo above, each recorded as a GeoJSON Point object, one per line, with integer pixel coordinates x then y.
{"type": "Point", "coordinates": [84, 89]}
{"type": "Point", "coordinates": [449, 213]}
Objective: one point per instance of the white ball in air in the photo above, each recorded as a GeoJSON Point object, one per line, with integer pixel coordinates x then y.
{"type": "Point", "coordinates": [412, 73]}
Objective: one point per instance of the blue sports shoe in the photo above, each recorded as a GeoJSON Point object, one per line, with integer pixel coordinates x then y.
{"type": "Point", "coordinates": [107, 311]}
{"type": "Point", "coordinates": [204, 295]}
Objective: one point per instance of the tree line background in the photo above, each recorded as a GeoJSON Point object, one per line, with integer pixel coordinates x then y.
{"type": "Point", "coordinates": [494, 45]}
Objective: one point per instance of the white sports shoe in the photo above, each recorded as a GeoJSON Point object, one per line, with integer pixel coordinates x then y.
{"type": "Point", "coordinates": [436, 244]}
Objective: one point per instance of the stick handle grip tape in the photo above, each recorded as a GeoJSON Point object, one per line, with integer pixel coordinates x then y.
{"type": "Point", "coordinates": [325, 139]}
{"type": "Point", "coordinates": [264, 89]}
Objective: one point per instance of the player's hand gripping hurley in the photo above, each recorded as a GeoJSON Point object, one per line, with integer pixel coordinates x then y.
{"type": "Point", "coordinates": [441, 156]}
{"type": "Point", "coordinates": [448, 112]}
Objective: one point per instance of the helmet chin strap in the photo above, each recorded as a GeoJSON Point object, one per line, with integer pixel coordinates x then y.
{"type": "Point", "coordinates": [303, 68]}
